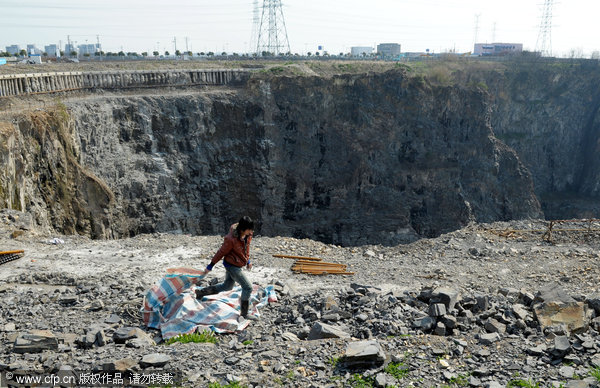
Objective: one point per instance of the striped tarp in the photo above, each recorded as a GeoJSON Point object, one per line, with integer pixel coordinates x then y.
{"type": "Point", "coordinates": [171, 306]}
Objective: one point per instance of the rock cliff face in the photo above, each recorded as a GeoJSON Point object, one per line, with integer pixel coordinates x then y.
{"type": "Point", "coordinates": [549, 113]}
{"type": "Point", "coordinates": [379, 158]}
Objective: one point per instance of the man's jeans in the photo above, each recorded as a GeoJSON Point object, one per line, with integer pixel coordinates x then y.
{"type": "Point", "coordinates": [235, 274]}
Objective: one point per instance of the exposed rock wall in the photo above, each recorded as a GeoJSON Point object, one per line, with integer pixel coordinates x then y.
{"type": "Point", "coordinates": [377, 158]}
{"type": "Point", "coordinates": [41, 175]}
{"type": "Point", "coordinates": [549, 113]}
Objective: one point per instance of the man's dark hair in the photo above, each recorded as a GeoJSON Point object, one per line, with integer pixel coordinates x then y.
{"type": "Point", "coordinates": [245, 223]}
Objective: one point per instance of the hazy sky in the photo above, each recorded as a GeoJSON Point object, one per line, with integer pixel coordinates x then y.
{"type": "Point", "coordinates": [226, 25]}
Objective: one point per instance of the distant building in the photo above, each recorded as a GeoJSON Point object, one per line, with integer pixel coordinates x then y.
{"type": "Point", "coordinates": [359, 51]}
{"type": "Point", "coordinates": [69, 48]}
{"type": "Point", "coordinates": [33, 50]}
{"type": "Point", "coordinates": [14, 49]}
{"type": "Point", "coordinates": [52, 50]}
{"type": "Point", "coordinates": [89, 49]}
{"type": "Point", "coordinates": [486, 49]}
{"type": "Point", "coordinates": [388, 49]}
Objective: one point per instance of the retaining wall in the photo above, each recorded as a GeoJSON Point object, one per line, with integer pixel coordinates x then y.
{"type": "Point", "coordinates": [22, 84]}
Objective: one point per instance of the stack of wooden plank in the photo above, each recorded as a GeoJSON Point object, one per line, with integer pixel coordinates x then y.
{"type": "Point", "coordinates": [315, 266]}
{"type": "Point", "coordinates": [7, 256]}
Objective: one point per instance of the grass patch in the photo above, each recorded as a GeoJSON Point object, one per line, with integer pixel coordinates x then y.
{"type": "Point", "coordinates": [203, 337]}
{"type": "Point", "coordinates": [247, 342]}
{"type": "Point", "coordinates": [233, 384]}
{"type": "Point", "coordinates": [460, 380]}
{"type": "Point", "coordinates": [397, 369]}
{"type": "Point", "coordinates": [359, 381]}
{"type": "Point", "coordinates": [595, 373]}
{"type": "Point", "coordinates": [522, 383]}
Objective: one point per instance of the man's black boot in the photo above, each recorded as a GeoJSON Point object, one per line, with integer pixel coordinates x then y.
{"type": "Point", "coordinates": [244, 311]}
{"type": "Point", "coordinates": [206, 291]}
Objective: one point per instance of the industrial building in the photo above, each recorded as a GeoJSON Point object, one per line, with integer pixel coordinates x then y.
{"type": "Point", "coordinates": [360, 51]}
{"type": "Point", "coordinates": [488, 49]}
{"type": "Point", "coordinates": [13, 49]}
{"type": "Point", "coordinates": [89, 49]}
{"type": "Point", "coordinates": [388, 50]}
{"type": "Point", "coordinates": [52, 50]}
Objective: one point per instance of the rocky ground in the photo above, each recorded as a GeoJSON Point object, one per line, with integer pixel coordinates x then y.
{"type": "Point", "coordinates": [489, 305]}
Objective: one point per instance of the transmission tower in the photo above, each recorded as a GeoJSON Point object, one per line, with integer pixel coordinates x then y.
{"type": "Point", "coordinates": [272, 34]}
{"type": "Point", "coordinates": [476, 31]}
{"type": "Point", "coordinates": [255, 25]}
{"type": "Point", "coordinates": [544, 40]}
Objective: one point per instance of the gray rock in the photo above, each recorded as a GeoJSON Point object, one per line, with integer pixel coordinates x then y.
{"type": "Point", "coordinates": [362, 317]}
{"type": "Point", "coordinates": [493, 384]}
{"type": "Point", "coordinates": [113, 319]}
{"type": "Point", "coordinates": [125, 333]}
{"type": "Point", "coordinates": [440, 329]}
{"type": "Point", "coordinates": [448, 296]}
{"type": "Point", "coordinates": [437, 310]}
{"type": "Point", "coordinates": [154, 360]}
{"type": "Point", "coordinates": [86, 341]}
{"type": "Point", "coordinates": [382, 380]}
{"type": "Point", "coordinates": [493, 326]}
{"type": "Point", "coordinates": [290, 337]}
{"type": "Point", "coordinates": [566, 372]}
{"type": "Point", "coordinates": [35, 341]}
{"type": "Point", "coordinates": [488, 338]}
{"type": "Point", "coordinates": [100, 338]}
{"type": "Point", "coordinates": [97, 305]}
{"type": "Point", "coordinates": [322, 330]}
{"type": "Point", "coordinates": [562, 346]}
{"type": "Point", "coordinates": [537, 350]}
{"type": "Point", "coordinates": [579, 384]}
{"type": "Point", "coordinates": [123, 365]}
{"type": "Point", "coordinates": [424, 323]}
{"type": "Point", "coordinates": [67, 300]}
{"type": "Point", "coordinates": [520, 311]}
{"type": "Point", "coordinates": [364, 354]}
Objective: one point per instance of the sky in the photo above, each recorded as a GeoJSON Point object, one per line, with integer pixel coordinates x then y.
{"type": "Point", "coordinates": [226, 25]}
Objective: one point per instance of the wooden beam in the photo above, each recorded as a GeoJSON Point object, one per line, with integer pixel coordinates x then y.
{"type": "Point", "coordinates": [298, 257]}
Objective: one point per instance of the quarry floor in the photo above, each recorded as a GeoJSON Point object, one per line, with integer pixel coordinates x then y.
{"type": "Point", "coordinates": [475, 258]}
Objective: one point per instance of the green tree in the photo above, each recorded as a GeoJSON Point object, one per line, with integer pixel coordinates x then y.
{"type": "Point", "coordinates": [145, 54]}
{"type": "Point", "coordinates": [121, 53]}
{"type": "Point", "coordinates": [23, 53]}
{"type": "Point", "coordinates": [177, 52]}
{"type": "Point", "coordinates": [167, 54]}
{"type": "Point", "coordinates": [155, 53]}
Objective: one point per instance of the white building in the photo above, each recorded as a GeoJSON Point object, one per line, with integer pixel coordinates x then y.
{"type": "Point", "coordinates": [33, 50]}
{"type": "Point", "coordinates": [360, 51]}
{"type": "Point", "coordinates": [388, 50]}
{"type": "Point", "coordinates": [485, 49]}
